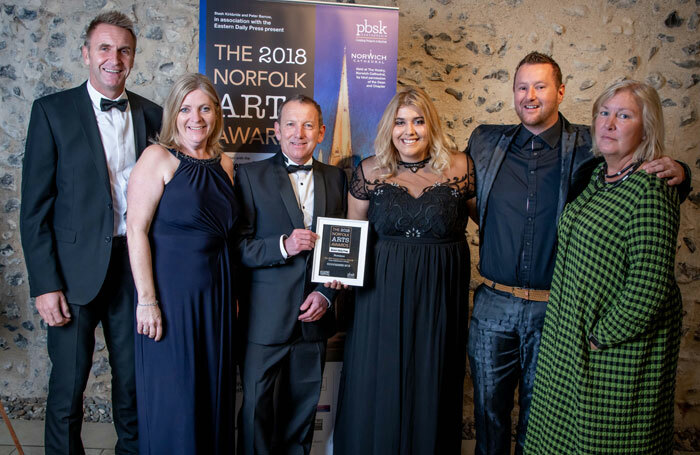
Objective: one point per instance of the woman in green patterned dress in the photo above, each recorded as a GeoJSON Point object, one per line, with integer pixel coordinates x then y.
{"type": "Point", "coordinates": [606, 371]}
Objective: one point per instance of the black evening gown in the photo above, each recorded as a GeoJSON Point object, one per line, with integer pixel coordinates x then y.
{"type": "Point", "coordinates": [186, 383]}
{"type": "Point", "coordinates": [405, 354]}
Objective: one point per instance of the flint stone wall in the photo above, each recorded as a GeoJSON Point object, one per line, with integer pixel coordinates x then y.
{"type": "Point", "coordinates": [462, 52]}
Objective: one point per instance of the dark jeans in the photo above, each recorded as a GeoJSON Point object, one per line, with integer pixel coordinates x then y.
{"type": "Point", "coordinates": [70, 350]}
{"type": "Point", "coordinates": [504, 338]}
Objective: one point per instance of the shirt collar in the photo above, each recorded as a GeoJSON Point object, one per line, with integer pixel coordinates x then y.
{"type": "Point", "coordinates": [550, 136]}
{"type": "Point", "coordinates": [288, 161]}
{"type": "Point", "coordinates": [96, 96]}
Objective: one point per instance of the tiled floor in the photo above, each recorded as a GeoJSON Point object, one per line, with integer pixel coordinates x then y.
{"type": "Point", "coordinates": [99, 439]}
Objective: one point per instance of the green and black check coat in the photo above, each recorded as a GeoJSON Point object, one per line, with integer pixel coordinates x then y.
{"type": "Point", "coordinates": [613, 279]}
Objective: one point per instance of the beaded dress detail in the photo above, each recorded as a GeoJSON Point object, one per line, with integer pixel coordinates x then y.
{"type": "Point", "coordinates": [405, 353]}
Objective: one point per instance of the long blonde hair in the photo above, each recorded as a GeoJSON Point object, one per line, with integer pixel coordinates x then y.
{"type": "Point", "coordinates": [183, 86]}
{"type": "Point", "coordinates": [440, 146]}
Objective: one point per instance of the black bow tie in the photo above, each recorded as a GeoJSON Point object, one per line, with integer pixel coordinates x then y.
{"type": "Point", "coordinates": [291, 168]}
{"type": "Point", "coordinates": [106, 104]}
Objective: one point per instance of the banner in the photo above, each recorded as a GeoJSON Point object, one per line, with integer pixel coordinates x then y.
{"type": "Point", "coordinates": [258, 53]}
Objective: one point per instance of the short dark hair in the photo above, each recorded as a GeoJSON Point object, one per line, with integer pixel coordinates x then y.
{"type": "Point", "coordinates": [537, 58]}
{"type": "Point", "coordinates": [303, 99]}
{"type": "Point", "coordinates": [110, 18]}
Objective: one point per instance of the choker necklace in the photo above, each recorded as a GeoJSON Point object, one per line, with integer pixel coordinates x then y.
{"type": "Point", "coordinates": [602, 175]}
{"type": "Point", "coordinates": [620, 172]}
{"type": "Point", "coordinates": [413, 167]}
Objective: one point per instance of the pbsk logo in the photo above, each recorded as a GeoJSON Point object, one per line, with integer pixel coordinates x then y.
{"type": "Point", "coordinates": [374, 29]}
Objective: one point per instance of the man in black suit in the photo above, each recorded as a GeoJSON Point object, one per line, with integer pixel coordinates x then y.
{"type": "Point", "coordinates": [525, 175]}
{"type": "Point", "coordinates": [284, 316]}
{"type": "Point", "coordinates": [81, 146]}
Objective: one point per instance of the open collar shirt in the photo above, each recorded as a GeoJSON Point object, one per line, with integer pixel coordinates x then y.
{"type": "Point", "coordinates": [520, 226]}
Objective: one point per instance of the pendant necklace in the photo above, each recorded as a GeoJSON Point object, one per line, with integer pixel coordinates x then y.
{"type": "Point", "coordinates": [602, 175]}
{"type": "Point", "coordinates": [413, 167]}
{"type": "Point", "coordinates": [620, 172]}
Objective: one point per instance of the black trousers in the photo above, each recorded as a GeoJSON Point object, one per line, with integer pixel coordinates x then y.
{"type": "Point", "coordinates": [281, 388]}
{"type": "Point", "coordinates": [70, 350]}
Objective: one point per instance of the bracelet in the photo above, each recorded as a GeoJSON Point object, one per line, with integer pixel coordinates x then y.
{"type": "Point", "coordinates": [154, 303]}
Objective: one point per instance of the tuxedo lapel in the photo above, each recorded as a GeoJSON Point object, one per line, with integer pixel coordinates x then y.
{"type": "Point", "coordinates": [319, 193]}
{"type": "Point", "coordinates": [138, 123]}
{"type": "Point", "coordinates": [287, 192]}
{"type": "Point", "coordinates": [88, 123]}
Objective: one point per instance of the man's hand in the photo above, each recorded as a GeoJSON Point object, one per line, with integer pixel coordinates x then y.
{"type": "Point", "coordinates": [300, 240]}
{"type": "Point", "coordinates": [149, 321]}
{"type": "Point", "coordinates": [314, 307]}
{"type": "Point", "coordinates": [53, 308]}
{"type": "Point", "coordinates": [665, 167]}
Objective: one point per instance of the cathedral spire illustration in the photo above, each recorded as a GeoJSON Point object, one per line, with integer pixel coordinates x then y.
{"type": "Point", "coordinates": [341, 149]}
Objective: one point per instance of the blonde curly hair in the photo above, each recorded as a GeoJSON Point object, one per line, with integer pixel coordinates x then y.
{"type": "Point", "coordinates": [440, 146]}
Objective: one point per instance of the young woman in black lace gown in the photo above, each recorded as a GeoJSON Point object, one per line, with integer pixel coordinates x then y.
{"type": "Point", "coordinates": [401, 386]}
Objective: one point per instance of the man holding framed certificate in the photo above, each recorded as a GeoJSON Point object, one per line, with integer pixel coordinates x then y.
{"type": "Point", "coordinates": [284, 316]}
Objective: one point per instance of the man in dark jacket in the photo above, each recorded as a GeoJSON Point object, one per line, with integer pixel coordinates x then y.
{"type": "Point", "coordinates": [285, 317]}
{"type": "Point", "coordinates": [81, 146]}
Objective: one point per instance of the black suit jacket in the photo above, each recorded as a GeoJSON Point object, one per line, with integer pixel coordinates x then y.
{"type": "Point", "coordinates": [271, 295]}
{"type": "Point", "coordinates": [66, 218]}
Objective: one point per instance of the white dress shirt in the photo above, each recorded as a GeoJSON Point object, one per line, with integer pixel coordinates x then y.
{"type": "Point", "coordinates": [117, 133]}
{"type": "Point", "coordinates": [303, 186]}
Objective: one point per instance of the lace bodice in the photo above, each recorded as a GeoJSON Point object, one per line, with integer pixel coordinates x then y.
{"type": "Point", "coordinates": [421, 204]}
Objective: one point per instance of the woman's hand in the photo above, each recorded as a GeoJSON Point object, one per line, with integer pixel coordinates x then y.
{"type": "Point", "coordinates": [336, 285]}
{"type": "Point", "coordinates": [149, 321]}
{"type": "Point", "coordinates": [152, 171]}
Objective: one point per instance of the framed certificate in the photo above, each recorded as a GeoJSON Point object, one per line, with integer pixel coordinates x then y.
{"type": "Point", "coordinates": [340, 251]}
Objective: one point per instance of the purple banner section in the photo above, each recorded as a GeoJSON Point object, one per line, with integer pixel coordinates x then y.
{"type": "Point", "coordinates": [258, 53]}
{"type": "Point", "coordinates": [363, 42]}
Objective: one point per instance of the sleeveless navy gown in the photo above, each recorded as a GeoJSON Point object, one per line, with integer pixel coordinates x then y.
{"type": "Point", "coordinates": [186, 382]}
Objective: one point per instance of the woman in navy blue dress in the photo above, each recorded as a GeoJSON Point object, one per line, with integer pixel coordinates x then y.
{"type": "Point", "coordinates": [180, 222]}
